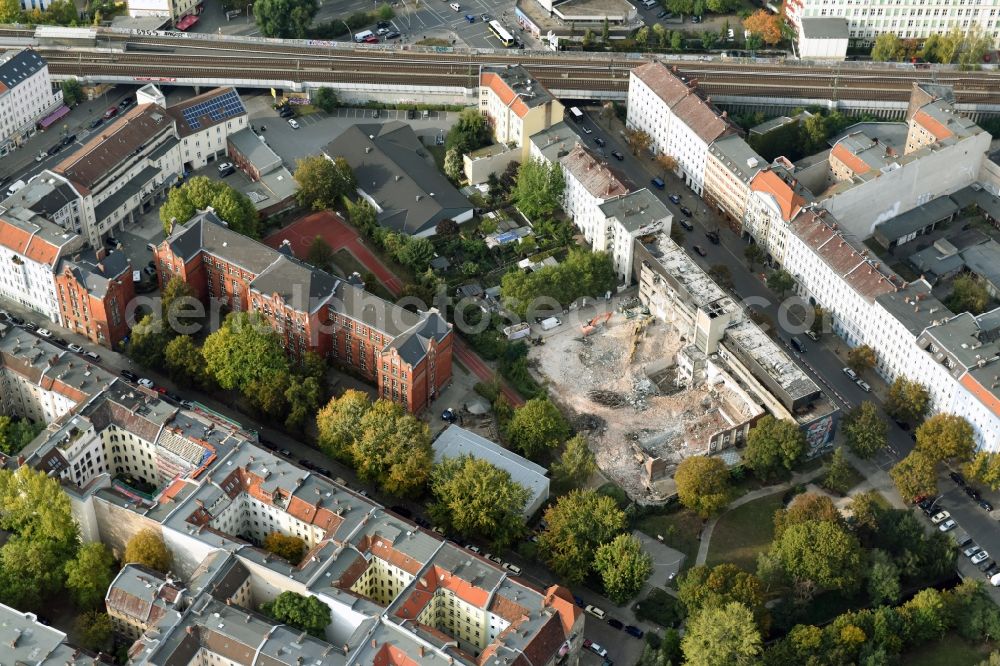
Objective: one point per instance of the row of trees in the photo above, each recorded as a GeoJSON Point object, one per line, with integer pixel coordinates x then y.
{"type": "Point", "coordinates": [58, 12]}
{"type": "Point", "coordinates": [965, 47]}
{"type": "Point", "coordinates": [582, 273]}
{"type": "Point", "coordinates": [245, 355]}
{"type": "Point", "coordinates": [943, 438]}
{"type": "Point", "coordinates": [414, 253]}
{"type": "Point", "coordinates": [200, 192]}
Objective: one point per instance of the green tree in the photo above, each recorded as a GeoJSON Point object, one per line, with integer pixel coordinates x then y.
{"type": "Point", "coordinates": [393, 449]}
{"type": "Point", "coordinates": [184, 361]}
{"type": "Point", "coordinates": [361, 215]}
{"type": "Point", "coordinates": [866, 430]}
{"type": "Point", "coordinates": [722, 636]}
{"type": "Point", "coordinates": [578, 523]}
{"type": "Point", "coordinates": [883, 579]}
{"type": "Point", "coordinates": [642, 37]}
{"type": "Point", "coordinates": [243, 351]}
{"type": "Point", "coordinates": [468, 133]}
{"type": "Point", "coordinates": [677, 40]}
{"type": "Point", "coordinates": [454, 165]}
{"type": "Point", "coordinates": [908, 400]}
{"type": "Point", "coordinates": [861, 358]}
{"type": "Point", "coordinates": [539, 189]}
{"type": "Point", "coordinates": [146, 547]}
{"type": "Point", "coordinates": [178, 304]}
{"type": "Point", "coordinates": [773, 444]}
{"type": "Point", "coordinates": [320, 254]}
{"type": "Point", "coordinates": [306, 613]}
{"type": "Point", "coordinates": [804, 508]}
{"type": "Point", "coordinates": [605, 31]}
{"type": "Point", "coordinates": [888, 46]}
{"type": "Point", "coordinates": [968, 294]}
{"type": "Point", "coordinates": [575, 465]}
{"type": "Point", "coordinates": [926, 615]}
{"type": "Point", "coordinates": [537, 426]}
{"type": "Point", "coordinates": [477, 498]}
{"type": "Point", "coordinates": [638, 140]}
{"type": "Point", "coordinates": [96, 631]}
{"type": "Point", "coordinates": [290, 547]}
{"type": "Point", "coordinates": [722, 6]}
{"type": "Point", "coordinates": [929, 50]}
{"type": "Point", "coordinates": [915, 475]}
{"type": "Point", "coordinates": [754, 254]}
{"type": "Point", "coordinates": [15, 435]}
{"type": "Point", "coordinates": [326, 99]}
{"type": "Point", "coordinates": [148, 341]}
{"type": "Point", "coordinates": [417, 254]}
{"type": "Point", "coordinates": [984, 468]}
{"type": "Point", "coordinates": [322, 182]}
{"type": "Point", "coordinates": [813, 132]}
{"type": "Point", "coordinates": [10, 11]}
{"type": "Point", "coordinates": [582, 273]}
{"type": "Point", "coordinates": [623, 566]}
{"type": "Point", "coordinates": [947, 437]}
{"type": "Point", "coordinates": [765, 25]}
{"type": "Point", "coordinates": [838, 473]}
{"type": "Point", "coordinates": [286, 19]}
{"type": "Point", "coordinates": [977, 43]}
{"type": "Point", "coordinates": [339, 422]}
{"type": "Point", "coordinates": [866, 512]}
{"type": "Point", "coordinates": [820, 553]}
{"type": "Point", "coordinates": [703, 484]}
{"type": "Point", "coordinates": [199, 193]}
{"type": "Point", "coordinates": [267, 393]}
{"type": "Point", "coordinates": [72, 92]}
{"type": "Point", "coordinates": [89, 574]}
{"type": "Point", "coordinates": [386, 12]}
{"type": "Point", "coordinates": [780, 281]}
{"type": "Point", "coordinates": [303, 396]}
{"type": "Point", "coordinates": [704, 587]}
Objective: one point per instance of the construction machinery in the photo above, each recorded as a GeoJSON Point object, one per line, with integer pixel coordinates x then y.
{"type": "Point", "coordinates": [589, 327]}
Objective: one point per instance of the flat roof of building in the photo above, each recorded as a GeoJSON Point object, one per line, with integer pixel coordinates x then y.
{"type": "Point", "coordinates": [825, 28]}
{"type": "Point", "coordinates": [637, 211]}
{"type": "Point", "coordinates": [915, 219]}
{"type": "Point", "coordinates": [737, 157]}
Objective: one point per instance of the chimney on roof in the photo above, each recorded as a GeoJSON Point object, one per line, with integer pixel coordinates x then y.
{"type": "Point", "coordinates": [101, 253]}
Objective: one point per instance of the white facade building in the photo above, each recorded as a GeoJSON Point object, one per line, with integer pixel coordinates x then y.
{"type": "Point", "coordinates": [907, 19]}
{"type": "Point", "coordinates": [26, 96]}
{"type": "Point", "coordinates": [823, 39]}
{"type": "Point", "coordinates": [679, 122]}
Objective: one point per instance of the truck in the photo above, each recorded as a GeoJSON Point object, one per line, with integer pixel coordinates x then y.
{"type": "Point", "coordinates": [517, 331]}
{"type": "Point", "coordinates": [550, 323]}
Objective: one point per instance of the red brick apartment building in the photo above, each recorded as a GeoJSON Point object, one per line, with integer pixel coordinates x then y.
{"type": "Point", "coordinates": [94, 294]}
{"type": "Point", "coordinates": [406, 355]}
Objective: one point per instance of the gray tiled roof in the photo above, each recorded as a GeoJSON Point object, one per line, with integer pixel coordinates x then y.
{"type": "Point", "coordinates": [95, 274]}
{"type": "Point", "coordinates": [391, 166]}
{"type": "Point", "coordinates": [16, 66]}
{"type": "Point", "coordinates": [413, 344]}
{"type": "Point", "coordinates": [293, 280]}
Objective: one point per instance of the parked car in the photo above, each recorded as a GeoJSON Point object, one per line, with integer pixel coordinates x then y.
{"type": "Point", "coordinates": [226, 168]}
{"type": "Point", "coordinates": [981, 556]}
{"type": "Point", "coordinates": [586, 130]}
{"type": "Point", "coordinates": [383, 24]}
{"type": "Point", "coordinates": [486, 18]}
{"type": "Point", "coordinates": [54, 150]}
{"type": "Point", "coordinates": [44, 332]}
{"type": "Point", "coordinates": [370, 39]}
{"type": "Point", "coordinates": [712, 236]}
{"type": "Point", "coordinates": [286, 111]}
{"type": "Point", "coordinates": [971, 550]}
{"type": "Point", "coordinates": [657, 182]}
{"type": "Point", "coordinates": [449, 415]}
{"type": "Point", "coordinates": [392, 34]}
{"type": "Point", "coordinates": [947, 525]}
{"type": "Point", "coordinates": [92, 356]}
{"type": "Point", "coordinates": [125, 103]}
{"type": "Point", "coordinates": [187, 404]}
{"type": "Point", "coordinates": [473, 547]}
{"type": "Point", "coordinates": [96, 123]}
{"type": "Point", "coordinates": [973, 493]}
{"type": "Point", "coordinates": [957, 478]}
{"type": "Point", "coordinates": [600, 142]}
{"type": "Point", "coordinates": [595, 611]}
{"type": "Point", "coordinates": [59, 341]}
{"type": "Point", "coordinates": [634, 631]}
{"type": "Point", "coordinates": [675, 199]}
{"type": "Point", "coordinates": [686, 224]}
{"type": "Point", "coordinates": [617, 155]}
{"type": "Point", "coordinates": [686, 211]}
{"type": "Point", "coordinates": [68, 139]}
{"type": "Point", "coordinates": [595, 648]}
{"type": "Point", "coordinates": [293, 123]}
{"type": "Point", "coordinates": [75, 348]}
{"type": "Point", "coordinates": [616, 623]}
{"type": "Point", "coordinates": [382, 31]}
{"type": "Point", "coordinates": [513, 568]}
{"type": "Point", "coordinates": [863, 385]}
{"type": "Point", "coordinates": [700, 250]}
{"type": "Point", "coordinates": [940, 516]}
{"type": "Point", "coordinates": [111, 113]}
{"type": "Point", "coordinates": [985, 505]}
{"type": "Point", "coordinates": [148, 383]}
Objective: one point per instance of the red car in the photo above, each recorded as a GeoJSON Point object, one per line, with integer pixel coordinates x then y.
{"type": "Point", "coordinates": [111, 113]}
{"type": "Point", "coordinates": [370, 39]}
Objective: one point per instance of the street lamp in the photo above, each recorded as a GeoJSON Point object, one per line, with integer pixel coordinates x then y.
{"type": "Point", "coordinates": [248, 10]}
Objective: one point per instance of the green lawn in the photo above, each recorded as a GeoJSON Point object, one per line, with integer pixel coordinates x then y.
{"type": "Point", "coordinates": [679, 530]}
{"type": "Point", "coordinates": [347, 263]}
{"type": "Point", "coordinates": [743, 532]}
{"type": "Point", "coordinates": [949, 651]}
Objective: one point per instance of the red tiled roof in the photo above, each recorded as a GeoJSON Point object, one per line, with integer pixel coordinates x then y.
{"type": "Point", "coordinates": [561, 599]}
{"type": "Point", "coordinates": [662, 81]}
{"type": "Point", "coordinates": [506, 94]}
{"type": "Point", "coordinates": [852, 161]}
{"type": "Point", "coordinates": [390, 655]}
{"type": "Point", "coordinates": [684, 102]}
{"type": "Point", "coordinates": [27, 244]}
{"type": "Point", "coordinates": [939, 131]}
{"type": "Point", "coordinates": [545, 642]}
{"type": "Point", "coordinates": [771, 183]}
{"type": "Point", "coordinates": [984, 395]}
{"type": "Point", "coordinates": [596, 178]}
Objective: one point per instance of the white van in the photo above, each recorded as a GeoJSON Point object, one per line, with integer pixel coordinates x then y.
{"type": "Point", "coordinates": [15, 187]}
{"type": "Point", "coordinates": [361, 36]}
{"type": "Point", "coordinates": [649, 3]}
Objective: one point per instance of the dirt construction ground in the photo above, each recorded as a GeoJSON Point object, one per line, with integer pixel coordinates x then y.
{"type": "Point", "coordinates": [602, 382]}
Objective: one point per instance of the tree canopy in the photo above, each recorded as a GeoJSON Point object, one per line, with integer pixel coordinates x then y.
{"type": "Point", "coordinates": [861, 358]}
{"type": "Point", "coordinates": [339, 422]}
{"type": "Point", "coordinates": [908, 400]}
{"type": "Point", "coordinates": [575, 465]}
{"type": "Point", "coordinates": [780, 281]}
{"type": "Point", "coordinates": [765, 25]}
{"type": "Point", "coordinates": [703, 484]}
{"type": "Point", "coordinates": [582, 273]}
{"type": "Point", "coordinates": [773, 444]}
{"type": "Point", "coordinates": [322, 182]}
{"type": "Point", "coordinates": [536, 427]}
{"type": "Point", "coordinates": [703, 587]}
{"type": "Point", "coordinates": [89, 574]}
{"type": "Point", "coordinates": [888, 46]}
{"type": "Point", "coordinates": [947, 437]}
{"type": "Point", "coordinates": [819, 552]}
{"type": "Point", "coordinates": [146, 547]}
{"type": "Point", "coordinates": [244, 351]}
{"type": "Point", "coordinates": [539, 189]}
{"type": "Point", "coordinates": [476, 498]}
{"type": "Point", "coordinates": [306, 613]}
{"type": "Point", "coordinates": [866, 430]}
{"type": "Point", "coordinates": [15, 434]}
{"type": "Point", "coordinates": [288, 546]}
{"type": "Point", "coordinates": [624, 566]}
{"type": "Point", "coordinates": [722, 636]}
{"type": "Point", "coordinates": [326, 99]}
{"type": "Point", "coordinates": [392, 449]}
{"type": "Point", "coordinates": [915, 475]}
{"type": "Point", "coordinates": [286, 19]}
{"type": "Point", "coordinates": [468, 133]}
{"type": "Point", "coordinates": [578, 523]}
{"type": "Point", "coordinates": [199, 193]}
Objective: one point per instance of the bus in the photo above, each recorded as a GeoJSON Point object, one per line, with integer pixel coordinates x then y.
{"type": "Point", "coordinates": [501, 33]}
{"type": "Point", "coordinates": [576, 114]}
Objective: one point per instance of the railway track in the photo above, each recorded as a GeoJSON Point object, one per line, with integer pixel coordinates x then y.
{"type": "Point", "coordinates": [184, 57]}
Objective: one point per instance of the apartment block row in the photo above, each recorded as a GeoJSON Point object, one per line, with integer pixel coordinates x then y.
{"type": "Point", "coordinates": [810, 220]}
{"type": "Point", "coordinates": [406, 355]}
{"type": "Point", "coordinates": [26, 96]}
{"type": "Point", "coordinates": [398, 594]}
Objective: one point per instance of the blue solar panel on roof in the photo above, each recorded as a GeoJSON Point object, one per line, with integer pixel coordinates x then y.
{"type": "Point", "coordinates": [217, 109]}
